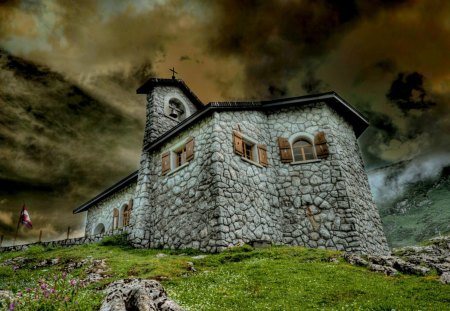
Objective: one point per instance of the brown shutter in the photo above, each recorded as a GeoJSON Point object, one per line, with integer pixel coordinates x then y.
{"type": "Point", "coordinates": [190, 149]}
{"type": "Point", "coordinates": [165, 163]}
{"type": "Point", "coordinates": [237, 142]}
{"type": "Point", "coordinates": [262, 154]}
{"type": "Point", "coordinates": [285, 150]}
{"type": "Point", "coordinates": [321, 146]}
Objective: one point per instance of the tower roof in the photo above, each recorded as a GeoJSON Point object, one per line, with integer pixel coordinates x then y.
{"type": "Point", "coordinates": [148, 86]}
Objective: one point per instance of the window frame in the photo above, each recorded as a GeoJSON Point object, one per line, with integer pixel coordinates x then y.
{"type": "Point", "coordinates": [254, 159]}
{"type": "Point", "coordinates": [173, 155]}
{"type": "Point", "coordinates": [306, 137]}
{"type": "Point", "coordinates": [302, 152]}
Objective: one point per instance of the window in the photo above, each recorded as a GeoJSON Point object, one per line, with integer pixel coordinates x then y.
{"type": "Point", "coordinates": [126, 215]}
{"type": "Point", "coordinates": [115, 221]}
{"type": "Point", "coordinates": [180, 156]}
{"type": "Point", "coordinates": [248, 149]}
{"type": "Point", "coordinates": [177, 156]}
{"type": "Point", "coordinates": [303, 150]}
{"type": "Point", "coordinates": [305, 147]}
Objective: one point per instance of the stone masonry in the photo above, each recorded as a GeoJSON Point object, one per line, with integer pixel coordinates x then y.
{"type": "Point", "coordinates": [219, 199]}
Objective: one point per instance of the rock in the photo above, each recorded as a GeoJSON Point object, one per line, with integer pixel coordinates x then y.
{"type": "Point", "coordinates": [409, 268]}
{"type": "Point", "coordinates": [190, 266]}
{"type": "Point", "coordinates": [139, 295]}
{"type": "Point", "coordinates": [6, 295]}
{"type": "Point", "coordinates": [199, 257]}
{"type": "Point", "coordinates": [445, 278]}
{"type": "Point", "coordinates": [160, 255]}
{"type": "Point", "coordinates": [355, 260]}
{"type": "Point", "coordinates": [389, 271]}
{"type": "Point", "coordinates": [17, 262]}
{"type": "Point", "coordinates": [96, 271]}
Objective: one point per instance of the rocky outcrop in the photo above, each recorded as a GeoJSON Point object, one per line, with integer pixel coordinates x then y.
{"type": "Point", "coordinates": [415, 260]}
{"type": "Point", "coordinates": [139, 295]}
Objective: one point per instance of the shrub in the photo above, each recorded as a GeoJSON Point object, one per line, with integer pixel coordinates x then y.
{"type": "Point", "coordinates": [115, 240]}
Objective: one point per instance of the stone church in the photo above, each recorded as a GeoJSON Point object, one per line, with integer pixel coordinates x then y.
{"type": "Point", "coordinates": [284, 171]}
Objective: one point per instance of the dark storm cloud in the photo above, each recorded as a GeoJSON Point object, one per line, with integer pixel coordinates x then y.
{"type": "Point", "coordinates": [418, 120]}
{"type": "Point", "coordinates": [74, 125]}
{"type": "Point", "coordinates": [59, 144]}
{"type": "Point", "coordinates": [275, 40]}
{"type": "Point", "coordinates": [407, 92]}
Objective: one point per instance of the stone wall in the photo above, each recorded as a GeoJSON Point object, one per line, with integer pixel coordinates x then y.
{"type": "Point", "coordinates": [177, 210]}
{"type": "Point", "coordinates": [219, 199]}
{"type": "Point", "coordinates": [246, 193]}
{"type": "Point", "coordinates": [66, 242]}
{"type": "Point", "coordinates": [102, 212]}
{"type": "Point", "coordinates": [319, 198]}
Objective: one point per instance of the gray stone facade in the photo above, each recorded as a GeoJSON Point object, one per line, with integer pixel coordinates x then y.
{"type": "Point", "coordinates": [219, 198]}
{"type": "Point", "coordinates": [102, 212]}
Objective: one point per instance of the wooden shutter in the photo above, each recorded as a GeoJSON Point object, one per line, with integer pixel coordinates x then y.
{"type": "Point", "coordinates": [285, 150]}
{"type": "Point", "coordinates": [320, 143]}
{"type": "Point", "coordinates": [190, 149]}
{"type": "Point", "coordinates": [237, 143]}
{"type": "Point", "coordinates": [165, 163]}
{"type": "Point", "coordinates": [262, 154]}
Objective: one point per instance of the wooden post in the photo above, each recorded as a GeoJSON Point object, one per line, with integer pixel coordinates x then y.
{"type": "Point", "coordinates": [68, 232]}
{"type": "Point", "coordinates": [1, 240]}
{"type": "Point", "coordinates": [40, 236]}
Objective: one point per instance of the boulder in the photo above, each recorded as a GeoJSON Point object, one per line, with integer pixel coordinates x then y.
{"type": "Point", "coordinates": [139, 295]}
{"type": "Point", "coordinates": [445, 278]}
{"type": "Point", "coordinates": [356, 260]}
{"type": "Point", "coordinates": [389, 271]}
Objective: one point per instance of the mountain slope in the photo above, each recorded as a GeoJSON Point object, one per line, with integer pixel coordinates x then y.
{"type": "Point", "coordinates": [419, 211]}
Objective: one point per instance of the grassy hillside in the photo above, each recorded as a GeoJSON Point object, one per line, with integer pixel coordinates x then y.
{"type": "Point", "coordinates": [277, 278]}
{"type": "Point", "coordinates": [421, 212]}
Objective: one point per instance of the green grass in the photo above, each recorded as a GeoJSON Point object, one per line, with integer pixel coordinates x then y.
{"type": "Point", "coordinates": [277, 278]}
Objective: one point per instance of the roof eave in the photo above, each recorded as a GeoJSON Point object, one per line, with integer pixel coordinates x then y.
{"type": "Point", "coordinates": [150, 84]}
{"type": "Point", "coordinates": [117, 186]}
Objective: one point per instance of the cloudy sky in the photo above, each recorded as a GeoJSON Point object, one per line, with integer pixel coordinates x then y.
{"type": "Point", "coordinates": [71, 123]}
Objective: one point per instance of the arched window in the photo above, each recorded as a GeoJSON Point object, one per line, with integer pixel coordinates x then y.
{"type": "Point", "coordinates": [99, 229]}
{"type": "Point", "coordinates": [115, 222]}
{"type": "Point", "coordinates": [126, 215]}
{"type": "Point", "coordinates": [176, 110]}
{"type": "Point", "coordinates": [303, 150]}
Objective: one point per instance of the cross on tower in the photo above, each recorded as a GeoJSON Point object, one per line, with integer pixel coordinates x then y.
{"type": "Point", "coordinates": [173, 72]}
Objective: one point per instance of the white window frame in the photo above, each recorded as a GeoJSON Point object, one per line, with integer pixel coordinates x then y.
{"type": "Point", "coordinates": [305, 136]}
{"type": "Point", "coordinates": [249, 140]}
{"type": "Point", "coordinates": [172, 154]}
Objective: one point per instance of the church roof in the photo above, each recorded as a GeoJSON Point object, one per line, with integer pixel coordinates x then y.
{"type": "Point", "coordinates": [116, 187]}
{"type": "Point", "coordinates": [148, 86]}
{"type": "Point", "coordinates": [353, 116]}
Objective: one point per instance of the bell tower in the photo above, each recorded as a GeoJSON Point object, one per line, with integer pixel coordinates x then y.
{"type": "Point", "coordinates": [169, 102]}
